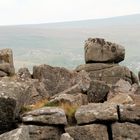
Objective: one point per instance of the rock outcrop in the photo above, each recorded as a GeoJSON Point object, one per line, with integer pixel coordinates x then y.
{"type": "Point", "coordinates": [100, 56]}
{"type": "Point", "coordinates": [6, 63]}
{"type": "Point", "coordinates": [100, 100]}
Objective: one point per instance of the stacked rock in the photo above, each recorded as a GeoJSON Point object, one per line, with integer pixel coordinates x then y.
{"type": "Point", "coordinates": [102, 58]}
{"type": "Point", "coordinates": [6, 63]}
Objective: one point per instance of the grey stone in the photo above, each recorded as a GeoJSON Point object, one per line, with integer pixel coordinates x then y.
{"type": "Point", "coordinates": [45, 132]}
{"type": "Point", "coordinates": [130, 113]}
{"type": "Point", "coordinates": [58, 79]}
{"type": "Point", "coordinates": [125, 131]}
{"type": "Point", "coordinates": [23, 74]}
{"type": "Point", "coordinates": [76, 99]}
{"type": "Point", "coordinates": [99, 50]}
{"type": "Point", "coordinates": [46, 115]}
{"type": "Point", "coordinates": [12, 97]}
{"type": "Point", "coordinates": [88, 132]}
{"type": "Point", "coordinates": [121, 98]}
{"type": "Point", "coordinates": [95, 112]}
{"type": "Point", "coordinates": [7, 111]}
{"type": "Point", "coordinates": [110, 73]}
{"type": "Point", "coordinates": [97, 91]}
{"type": "Point", "coordinates": [6, 61]}
{"type": "Point", "coordinates": [21, 133]}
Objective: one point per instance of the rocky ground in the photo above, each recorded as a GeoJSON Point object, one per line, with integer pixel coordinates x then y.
{"type": "Point", "coordinates": [99, 100]}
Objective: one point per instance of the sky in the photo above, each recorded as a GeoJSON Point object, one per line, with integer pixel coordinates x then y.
{"type": "Point", "coordinates": [13, 12]}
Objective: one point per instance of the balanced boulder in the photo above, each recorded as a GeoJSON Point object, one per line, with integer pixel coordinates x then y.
{"type": "Point", "coordinates": [100, 51]}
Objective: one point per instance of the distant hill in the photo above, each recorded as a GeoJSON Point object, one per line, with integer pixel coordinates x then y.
{"type": "Point", "coordinates": [62, 43]}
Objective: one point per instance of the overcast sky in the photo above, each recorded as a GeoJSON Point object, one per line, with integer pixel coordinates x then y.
{"type": "Point", "coordinates": [43, 11]}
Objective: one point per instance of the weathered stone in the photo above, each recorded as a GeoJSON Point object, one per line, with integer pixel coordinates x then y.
{"type": "Point", "coordinates": [137, 91]}
{"type": "Point", "coordinates": [121, 98]}
{"type": "Point", "coordinates": [97, 91]}
{"type": "Point", "coordinates": [88, 132]}
{"type": "Point", "coordinates": [17, 91]}
{"type": "Point", "coordinates": [7, 113]}
{"type": "Point", "coordinates": [122, 86]}
{"type": "Point", "coordinates": [58, 79]}
{"type": "Point", "coordinates": [6, 61]}
{"type": "Point", "coordinates": [21, 133]}
{"type": "Point", "coordinates": [95, 112]}
{"type": "Point", "coordinates": [46, 115]}
{"type": "Point", "coordinates": [23, 74]}
{"type": "Point", "coordinates": [36, 90]}
{"type": "Point", "coordinates": [2, 73]}
{"type": "Point", "coordinates": [45, 132]}
{"type": "Point", "coordinates": [130, 113]}
{"type": "Point", "coordinates": [139, 75]}
{"type": "Point", "coordinates": [136, 98]}
{"type": "Point", "coordinates": [119, 92]}
{"type": "Point", "coordinates": [76, 99]}
{"type": "Point", "coordinates": [99, 50]}
{"type": "Point", "coordinates": [12, 97]}
{"type": "Point", "coordinates": [125, 131]}
{"type": "Point", "coordinates": [66, 136]}
{"type": "Point", "coordinates": [110, 73]}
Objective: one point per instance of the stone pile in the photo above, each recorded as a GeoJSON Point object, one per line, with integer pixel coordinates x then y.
{"type": "Point", "coordinates": [102, 58]}
{"type": "Point", "coordinates": [99, 100]}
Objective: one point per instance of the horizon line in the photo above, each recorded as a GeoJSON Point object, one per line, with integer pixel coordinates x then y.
{"type": "Point", "coordinates": [67, 21]}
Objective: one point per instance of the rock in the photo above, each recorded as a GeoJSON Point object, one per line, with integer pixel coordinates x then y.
{"type": "Point", "coordinates": [122, 86]}
{"type": "Point", "coordinates": [121, 98]}
{"type": "Point", "coordinates": [12, 97]}
{"type": "Point", "coordinates": [88, 132]}
{"type": "Point", "coordinates": [136, 98]}
{"type": "Point", "coordinates": [6, 61]}
{"type": "Point", "coordinates": [97, 91]}
{"type": "Point", "coordinates": [45, 132]}
{"type": "Point", "coordinates": [24, 74]}
{"type": "Point", "coordinates": [58, 79]}
{"type": "Point", "coordinates": [76, 99]}
{"type": "Point", "coordinates": [137, 91]}
{"type": "Point", "coordinates": [96, 112]}
{"type": "Point", "coordinates": [139, 75]}
{"type": "Point", "coordinates": [129, 113]}
{"type": "Point", "coordinates": [7, 111]}
{"type": "Point", "coordinates": [36, 91]}
{"type": "Point", "coordinates": [45, 115]}
{"type": "Point", "coordinates": [2, 74]}
{"type": "Point", "coordinates": [134, 78]}
{"type": "Point", "coordinates": [125, 131]}
{"type": "Point", "coordinates": [66, 136]}
{"type": "Point", "coordinates": [110, 73]}
{"type": "Point", "coordinates": [98, 50]}
{"type": "Point", "coordinates": [119, 92]}
{"type": "Point", "coordinates": [17, 91]}
{"type": "Point", "coordinates": [21, 133]}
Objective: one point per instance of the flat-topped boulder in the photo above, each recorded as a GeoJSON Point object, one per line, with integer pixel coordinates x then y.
{"type": "Point", "coordinates": [97, 50]}
{"type": "Point", "coordinates": [46, 115]}
{"type": "Point", "coordinates": [6, 63]}
{"type": "Point", "coordinates": [96, 112]}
